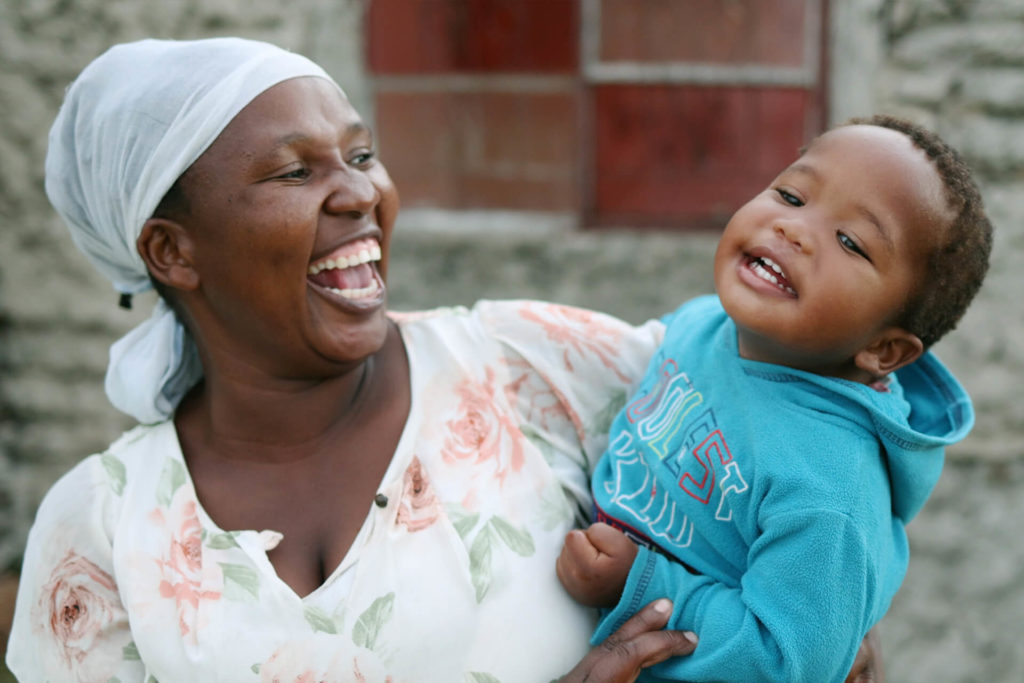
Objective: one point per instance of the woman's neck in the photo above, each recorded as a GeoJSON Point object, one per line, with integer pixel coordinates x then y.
{"type": "Point", "coordinates": [248, 416]}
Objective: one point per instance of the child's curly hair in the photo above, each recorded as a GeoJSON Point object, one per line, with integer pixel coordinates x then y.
{"type": "Point", "coordinates": [956, 267]}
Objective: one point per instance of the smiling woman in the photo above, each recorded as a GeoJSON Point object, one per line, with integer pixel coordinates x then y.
{"type": "Point", "coordinates": [290, 185]}
{"type": "Point", "coordinates": [369, 496]}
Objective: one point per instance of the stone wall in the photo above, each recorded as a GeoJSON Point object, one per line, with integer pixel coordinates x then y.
{"type": "Point", "coordinates": [956, 65]}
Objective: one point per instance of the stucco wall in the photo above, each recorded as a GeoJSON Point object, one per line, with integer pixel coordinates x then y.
{"type": "Point", "coordinates": [955, 65]}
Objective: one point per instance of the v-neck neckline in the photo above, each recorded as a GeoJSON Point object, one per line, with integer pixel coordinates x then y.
{"type": "Point", "coordinates": [252, 543]}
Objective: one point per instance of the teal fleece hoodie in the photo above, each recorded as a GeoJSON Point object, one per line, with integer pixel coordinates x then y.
{"type": "Point", "coordinates": [770, 503]}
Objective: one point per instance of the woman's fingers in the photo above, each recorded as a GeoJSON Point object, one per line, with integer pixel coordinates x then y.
{"type": "Point", "coordinates": [637, 644]}
{"type": "Point", "coordinates": [648, 622]}
{"type": "Point", "coordinates": [867, 666]}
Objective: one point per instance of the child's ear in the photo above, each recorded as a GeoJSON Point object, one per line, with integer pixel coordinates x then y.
{"type": "Point", "coordinates": [166, 248]}
{"type": "Point", "coordinates": [890, 351]}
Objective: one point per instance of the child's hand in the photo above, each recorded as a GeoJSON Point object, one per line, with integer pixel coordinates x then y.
{"type": "Point", "coordinates": [594, 564]}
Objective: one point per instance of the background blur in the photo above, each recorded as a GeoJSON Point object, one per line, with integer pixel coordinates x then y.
{"type": "Point", "coordinates": [581, 151]}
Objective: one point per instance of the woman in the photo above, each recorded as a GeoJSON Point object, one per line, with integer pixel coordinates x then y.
{"type": "Point", "coordinates": [319, 491]}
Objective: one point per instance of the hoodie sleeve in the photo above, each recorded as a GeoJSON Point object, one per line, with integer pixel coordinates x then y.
{"type": "Point", "coordinates": [796, 615]}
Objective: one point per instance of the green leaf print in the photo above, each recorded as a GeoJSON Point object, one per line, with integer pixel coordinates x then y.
{"type": "Point", "coordinates": [463, 521]}
{"type": "Point", "coordinates": [241, 583]}
{"type": "Point", "coordinates": [554, 508]}
{"type": "Point", "coordinates": [518, 540]}
{"type": "Point", "coordinates": [222, 541]}
{"type": "Point", "coordinates": [116, 472]}
{"type": "Point", "coordinates": [130, 652]}
{"type": "Point", "coordinates": [255, 668]}
{"type": "Point", "coordinates": [480, 561]}
{"type": "Point", "coordinates": [319, 620]}
{"type": "Point", "coordinates": [370, 622]}
{"type": "Point", "coordinates": [481, 677]}
{"type": "Point", "coordinates": [601, 422]}
{"type": "Point", "coordinates": [542, 444]}
{"type": "Point", "coordinates": [171, 479]}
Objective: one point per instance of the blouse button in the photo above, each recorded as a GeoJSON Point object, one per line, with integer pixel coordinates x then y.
{"type": "Point", "coordinates": [380, 500]}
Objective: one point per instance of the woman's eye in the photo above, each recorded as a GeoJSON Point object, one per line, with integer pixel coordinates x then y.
{"type": "Point", "coordinates": [297, 174]}
{"type": "Point", "coordinates": [790, 198]}
{"type": "Point", "coordinates": [847, 242]}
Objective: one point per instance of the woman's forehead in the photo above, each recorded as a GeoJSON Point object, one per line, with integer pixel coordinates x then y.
{"type": "Point", "coordinates": [289, 111]}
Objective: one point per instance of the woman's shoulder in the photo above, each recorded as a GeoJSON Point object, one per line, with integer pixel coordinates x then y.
{"type": "Point", "coordinates": [99, 479]}
{"type": "Point", "coordinates": [542, 334]}
{"type": "Point", "coordinates": [541, 324]}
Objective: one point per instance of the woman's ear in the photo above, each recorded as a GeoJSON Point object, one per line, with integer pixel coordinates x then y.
{"type": "Point", "coordinates": [166, 249]}
{"type": "Point", "coordinates": [890, 351]}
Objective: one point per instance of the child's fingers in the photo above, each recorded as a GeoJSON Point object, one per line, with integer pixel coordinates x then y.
{"type": "Point", "coordinates": [579, 547]}
{"type": "Point", "coordinates": [575, 560]}
{"type": "Point", "coordinates": [609, 540]}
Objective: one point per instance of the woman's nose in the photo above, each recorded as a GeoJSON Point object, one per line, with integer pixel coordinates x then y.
{"type": "Point", "coordinates": [353, 192]}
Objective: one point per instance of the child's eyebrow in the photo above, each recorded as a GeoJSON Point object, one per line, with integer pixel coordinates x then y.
{"type": "Point", "coordinates": [883, 233]}
{"type": "Point", "coordinates": [879, 226]}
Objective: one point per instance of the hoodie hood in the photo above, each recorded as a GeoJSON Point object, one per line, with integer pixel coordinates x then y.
{"type": "Point", "coordinates": [940, 414]}
{"type": "Point", "coordinates": [924, 410]}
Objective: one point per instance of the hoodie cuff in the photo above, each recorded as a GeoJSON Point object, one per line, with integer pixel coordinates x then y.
{"type": "Point", "coordinates": [641, 588]}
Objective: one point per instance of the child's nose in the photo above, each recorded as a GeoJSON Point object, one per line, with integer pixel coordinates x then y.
{"type": "Point", "coordinates": [794, 233]}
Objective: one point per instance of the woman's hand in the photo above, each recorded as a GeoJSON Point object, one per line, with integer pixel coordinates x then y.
{"type": "Point", "coordinates": [595, 563]}
{"type": "Point", "coordinates": [638, 644]}
{"type": "Point", "coordinates": [867, 666]}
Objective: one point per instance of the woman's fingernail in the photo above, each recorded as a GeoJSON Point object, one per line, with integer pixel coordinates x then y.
{"type": "Point", "coordinates": [690, 636]}
{"type": "Point", "coordinates": [663, 606]}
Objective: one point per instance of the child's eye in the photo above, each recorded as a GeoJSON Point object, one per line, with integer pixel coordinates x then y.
{"type": "Point", "coordinates": [790, 198]}
{"type": "Point", "coordinates": [847, 243]}
{"type": "Point", "coordinates": [364, 158]}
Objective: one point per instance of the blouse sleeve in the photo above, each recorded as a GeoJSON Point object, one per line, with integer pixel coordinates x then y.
{"type": "Point", "coordinates": [572, 371]}
{"type": "Point", "coordinates": [69, 620]}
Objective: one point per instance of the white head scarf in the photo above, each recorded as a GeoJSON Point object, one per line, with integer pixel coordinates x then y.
{"type": "Point", "coordinates": [133, 121]}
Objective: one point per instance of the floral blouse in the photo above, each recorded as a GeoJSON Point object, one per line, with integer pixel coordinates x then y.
{"type": "Point", "coordinates": [127, 579]}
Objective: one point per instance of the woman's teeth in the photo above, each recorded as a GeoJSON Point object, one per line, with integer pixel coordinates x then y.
{"type": "Point", "coordinates": [369, 252]}
{"type": "Point", "coordinates": [360, 293]}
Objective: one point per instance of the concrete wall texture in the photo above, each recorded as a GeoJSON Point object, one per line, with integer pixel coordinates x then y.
{"type": "Point", "coordinates": [955, 65]}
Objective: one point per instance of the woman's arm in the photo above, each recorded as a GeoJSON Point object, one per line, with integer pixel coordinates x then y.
{"type": "Point", "coordinates": [69, 621]}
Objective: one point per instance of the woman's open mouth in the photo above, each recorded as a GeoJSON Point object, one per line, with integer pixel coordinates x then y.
{"type": "Point", "coordinates": [349, 272]}
{"type": "Point", "coordinates": [769, 271]}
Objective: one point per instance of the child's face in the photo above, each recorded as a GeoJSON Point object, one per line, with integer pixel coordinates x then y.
{"type": "Point", "coordinates": [816, 266]}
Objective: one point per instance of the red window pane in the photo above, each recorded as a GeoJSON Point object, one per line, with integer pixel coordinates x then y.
{"type": "Point", "coordinates": [689, 156]}
{"type": "Point", "coordinates": [765, 32]}
{"type": "Point", "coordinates": [481, 150]}
{"type": "Point", "coordinates": [450, 36]}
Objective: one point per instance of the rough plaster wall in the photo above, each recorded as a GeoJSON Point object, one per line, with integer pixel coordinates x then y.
{"type": "Point", "coordinates": [57, 316]}
{"type": "Point", "coordinates": [956, 65]}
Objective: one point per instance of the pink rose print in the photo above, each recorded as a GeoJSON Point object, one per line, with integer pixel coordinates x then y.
{"type": "Point", "coordinates": [581, 332]}
{"type": "Point", "coordinates": [419, 507]}
{"type": "Point", "coordinates": [481, 429]}
{"type": "Point", "coordinates": [322, 658]}
{"type": "Point", "coordinates": [182, 569]}
{"type": "Point", "coordinates": [78, 606]}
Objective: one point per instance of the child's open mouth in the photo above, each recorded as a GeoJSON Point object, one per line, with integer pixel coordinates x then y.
{"type": "Point", "coordinates": [769, 271]}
